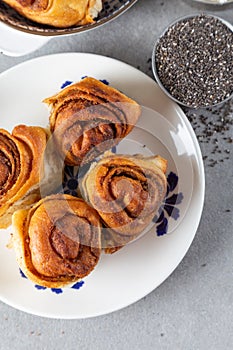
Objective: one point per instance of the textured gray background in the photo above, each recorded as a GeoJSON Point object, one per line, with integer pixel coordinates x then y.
{"type": "Point", "coordinates": [193, 308]}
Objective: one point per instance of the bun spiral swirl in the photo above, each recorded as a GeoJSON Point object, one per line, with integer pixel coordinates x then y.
{"type": "Point", "coordinates": [89, 118]}
{"type": "Point", "coordinates": [20, 160]}
{"type": "Point", "coordinates": [57, 241]}
{"type": "Point", "coordinates": [126, 191]}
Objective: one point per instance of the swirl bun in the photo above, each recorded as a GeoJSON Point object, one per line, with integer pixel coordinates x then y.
{"type": "Point", "coordinates": [57, 241]}
{"type": "Point", "coordinates": [20, 160]}
{"type": "Point", "coordinates": [127, 192]}
{"type": "Point", "coordinates": [58, 13]}
{"type": "Point", "coordinates": [89, 118]}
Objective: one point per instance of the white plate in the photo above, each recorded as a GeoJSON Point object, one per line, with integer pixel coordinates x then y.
{"type": "Point", "coordinates": [128, 275]}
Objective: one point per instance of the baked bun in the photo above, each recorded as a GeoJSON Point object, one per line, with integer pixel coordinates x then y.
{"type": "Point", "coordinates": [127, 191]}
{"type": "Point", "coordinates": [20, 160]}
{"type": "Point", "coordinates": [58, 241]}
{"type": "Point", "coordinates": [58, 13]}
{"type": "Point", "coordinates": [88, 118]}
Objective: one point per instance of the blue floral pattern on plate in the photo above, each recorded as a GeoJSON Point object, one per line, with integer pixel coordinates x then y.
{"type": "Point", "coordinates": [169, 207]}
{"type": "Point", "coordinates": [69, 82]}
{"type": "Point", "coordinates": [66, 83]}
{"type": "Point", "coordinates": [76, 286]}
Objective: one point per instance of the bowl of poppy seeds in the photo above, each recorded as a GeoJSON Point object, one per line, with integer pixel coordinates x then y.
{"type": "Point", "coordinates": [192, 61]}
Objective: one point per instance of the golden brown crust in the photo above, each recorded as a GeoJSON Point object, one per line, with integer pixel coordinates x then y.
{"type": "Point", "coordinates": [58, 13]}
{"type": "Point", "coordinates": [89, 118]}
{"type": "Point", "coordinates": [127, 192]}
{"type": "Point", "coordinates": [57, 242]}
{"type": "Point", "coordinates": [20, 161]}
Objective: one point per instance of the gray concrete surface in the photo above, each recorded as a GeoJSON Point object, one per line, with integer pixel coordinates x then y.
{"type": "Point", "coordinates": [193, 308]}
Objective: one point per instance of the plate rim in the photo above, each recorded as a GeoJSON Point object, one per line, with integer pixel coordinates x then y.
{"type": "Point", "coordinates": [201, 190]}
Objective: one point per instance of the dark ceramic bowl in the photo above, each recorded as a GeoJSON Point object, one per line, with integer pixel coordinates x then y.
{"type": "Point", "coordinates": [111, 9]}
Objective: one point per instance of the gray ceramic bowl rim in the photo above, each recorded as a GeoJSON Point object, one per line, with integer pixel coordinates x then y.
{"type": "Point", "coordinates": [154, 69]}
{"type": "Point", "coordinates": [50, 31]}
